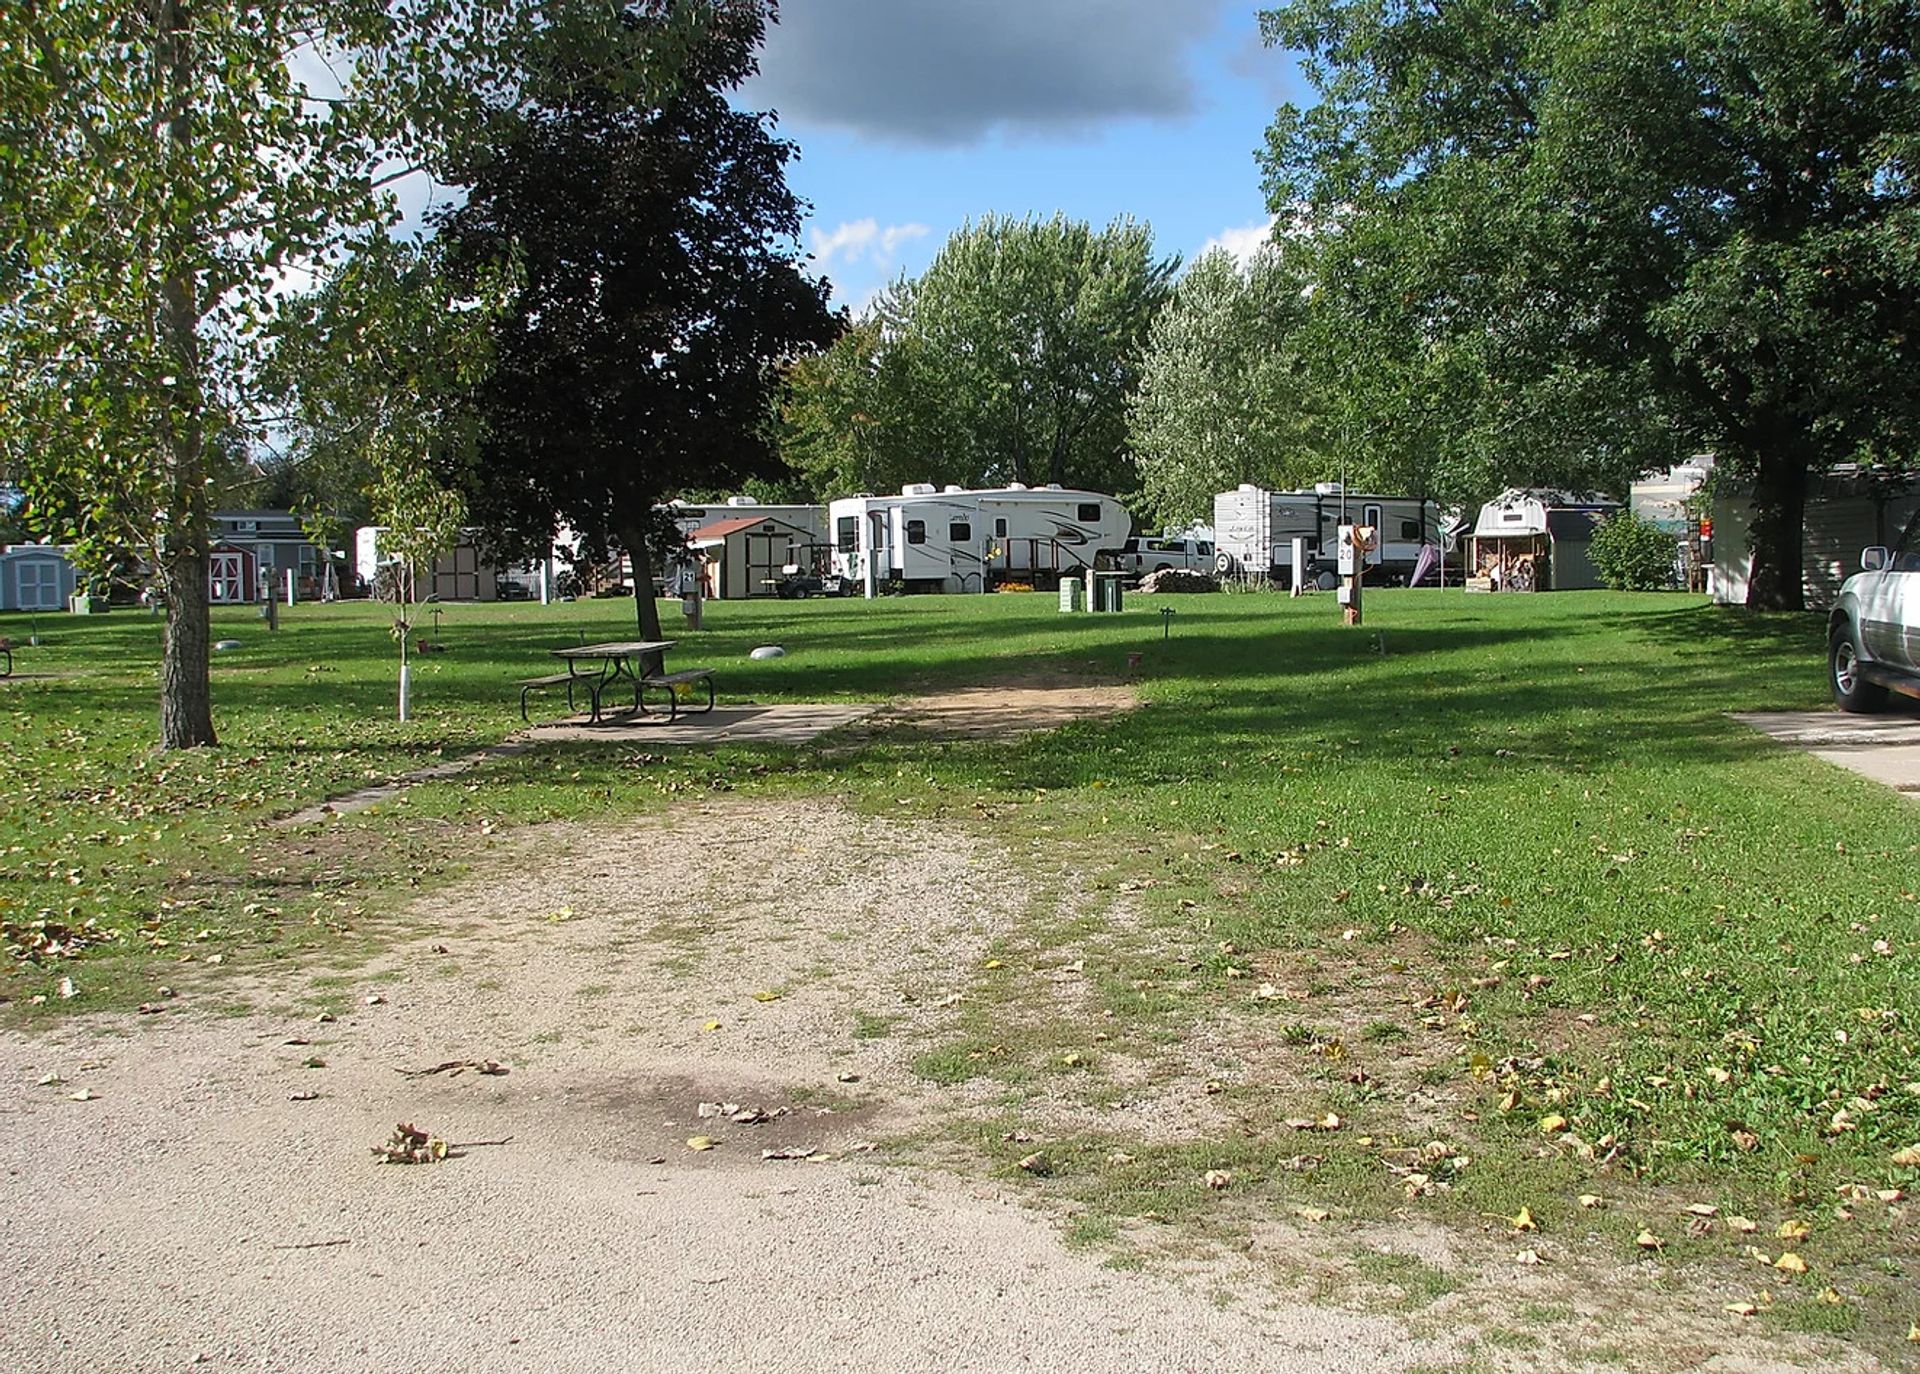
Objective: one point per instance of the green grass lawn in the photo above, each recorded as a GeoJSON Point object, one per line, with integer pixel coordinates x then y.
{"type": "Point", "coordinates": [1508, 851]}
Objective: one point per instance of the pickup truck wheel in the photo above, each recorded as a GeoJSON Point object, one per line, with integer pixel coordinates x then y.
{"type": "Point", "coordinates": [1851, 690]}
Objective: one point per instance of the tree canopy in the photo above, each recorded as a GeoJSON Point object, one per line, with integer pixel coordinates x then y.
{"type": "Point", "coordinates": [1008, 360]}
{"type": "Point", "coordinates": [1613, 231]}
{"type": "Point", "coordinates": [657, 293]}
{"type": "Point", "coordinates": [1220, 398]}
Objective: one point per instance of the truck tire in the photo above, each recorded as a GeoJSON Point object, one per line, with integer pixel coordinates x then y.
{"type": "Point", "coordinates": [1851, 691]}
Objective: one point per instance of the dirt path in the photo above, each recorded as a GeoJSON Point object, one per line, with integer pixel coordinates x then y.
{"type": "Point", "coordinates": [200, 1210]}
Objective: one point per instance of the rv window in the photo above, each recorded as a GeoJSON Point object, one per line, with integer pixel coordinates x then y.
{"type": "Point", "coordinates": [1089, 512]}
{"type": "Point", "coordinates": [1409, 529]}
{"type": "Point", "coordinates": [960, 532]}
{"type": "Point", "coordinates": [1000, 528]}
{"type": "Point", "coordinates": [916, 531]}
{"type": "Point", "coordinates": [849, 533]}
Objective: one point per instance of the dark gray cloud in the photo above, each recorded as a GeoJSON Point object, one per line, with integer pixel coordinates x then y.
{"type": "Point", "coordinates": [953, 71]}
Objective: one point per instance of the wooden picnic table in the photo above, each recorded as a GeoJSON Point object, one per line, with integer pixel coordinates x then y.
{"type": "Point", "coordinates": [619, 658]}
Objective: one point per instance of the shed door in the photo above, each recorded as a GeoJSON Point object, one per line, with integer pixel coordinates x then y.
{"type": "Point", "coordinates": [39, 585]}
{"type": "Point", "coordinates": [227, 577]}
{"type": "Point", "coordinates": [766, 555]}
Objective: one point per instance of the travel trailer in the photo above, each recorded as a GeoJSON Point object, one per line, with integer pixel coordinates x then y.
{"type": "Point", "coordinates": [693, 515]}
{"type": "Point", "coordinates": [1254, 530]}
{"type": "Point", "coordinates": [955, 540]}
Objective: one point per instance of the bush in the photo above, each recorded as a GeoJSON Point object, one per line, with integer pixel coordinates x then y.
{"type": "Point", "coordinates": [1634, 555]}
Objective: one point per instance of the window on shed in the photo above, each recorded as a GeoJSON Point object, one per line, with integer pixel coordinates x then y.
{"type": "Point", "coordinates": [1089, 512]}
{"type": "Point", "coordinates": [847, 533]}
{"type": "Point", "coordinates": [916, 531]}
{"type": "Point", "coordinates": [960, 532]}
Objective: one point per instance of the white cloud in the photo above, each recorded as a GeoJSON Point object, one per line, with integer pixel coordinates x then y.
{"type": "Point", "coordinates": [1243, 242]}
{"type": "Point", "coordinates": [860, 239]}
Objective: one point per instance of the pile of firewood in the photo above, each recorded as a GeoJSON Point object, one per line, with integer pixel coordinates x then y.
{"type": "Point", "coordinates": [1177, 580]}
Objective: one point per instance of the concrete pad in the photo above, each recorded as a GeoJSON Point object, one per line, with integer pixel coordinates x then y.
{"type": "Point", "coordinates": [794, 724]}
{"type": "Point", "coordinates": [1884, 747]}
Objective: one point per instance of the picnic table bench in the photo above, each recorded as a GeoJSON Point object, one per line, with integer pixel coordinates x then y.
{"type": "Point", "coordinates": [671, 683]}
{"type": "Point", "coordinates": [618, 660]}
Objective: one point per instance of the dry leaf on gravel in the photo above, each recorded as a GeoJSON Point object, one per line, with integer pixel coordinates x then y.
{"type": "Point", "coordinates": [700, 1143]}
{"type": "Point", "coordinates": [411, 1145]}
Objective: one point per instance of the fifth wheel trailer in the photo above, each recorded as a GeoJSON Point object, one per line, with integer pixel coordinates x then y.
{"type": "Point", "coordinates": [1254, 530]}
{"type": "Point", "coordinates": [957, 540]}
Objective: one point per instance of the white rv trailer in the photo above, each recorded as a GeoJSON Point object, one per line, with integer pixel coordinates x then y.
{"type": "Point", "coordinates": [692, 515]}
{"type": "Point", "coordinates": [1254, 530]}
{"type": "Point", "coordinates": [956, 540]}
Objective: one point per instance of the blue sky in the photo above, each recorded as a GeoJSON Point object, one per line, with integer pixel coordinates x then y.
{"type": "Point", "coordinates": [914, 116]}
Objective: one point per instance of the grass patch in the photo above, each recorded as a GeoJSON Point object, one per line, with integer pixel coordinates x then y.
{"type": "Point", "coordinates": [1520, 865]}
{"type": "Point", "coordinates": [1419, 1283]}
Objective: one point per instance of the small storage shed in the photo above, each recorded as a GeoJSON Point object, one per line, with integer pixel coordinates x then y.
{"type": "Point", "coordinates": [36, 577]}
{"type": "Point", "coordinates": [744, 557]}
{"type": "Point", "coordinates": [1848, 509]}
{"type": "Point", "coordinates": [1533, 539]}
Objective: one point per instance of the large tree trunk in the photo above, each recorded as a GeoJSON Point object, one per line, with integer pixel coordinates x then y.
{"type": "Point", "coordinates": [1776, 580]}
{"type": "Point", "coordinates": [186, 699]}
{"type": "Point", "coordinates": [645, 608]}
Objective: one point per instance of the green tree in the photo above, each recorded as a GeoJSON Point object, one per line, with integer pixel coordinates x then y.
{"type": "Point", "coordinates": [658, 295]}
{"type": "Point", "coordinates": [1634, 555]}
{"type": "Point", "coordinates": [162, 168]}
{"type": "Point", "coordinates": [1630, 228]}
{"type": "Point", "coordinates": [1220, 398]}
{"type": "Point", "coordinates": [849, 420]}
{"type": "Point", "coordinates": [1024, 340]}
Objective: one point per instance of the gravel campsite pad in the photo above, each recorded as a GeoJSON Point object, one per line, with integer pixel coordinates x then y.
{"type": "Point", "coordinates": [216, 1200]}
{"type": "Point", "coordinates": [635, 1097]}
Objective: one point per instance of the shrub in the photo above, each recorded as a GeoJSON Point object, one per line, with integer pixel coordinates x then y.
{"type": "Point", "coordinates": [1634, 555]}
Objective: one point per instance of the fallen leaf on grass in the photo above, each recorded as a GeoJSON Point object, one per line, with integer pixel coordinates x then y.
{"type": "Point", "coordinates": [1072, 1061]}
{"type": "Point", "coordinates": [1647, 1240]}
{"type": "Point", "coordinates": [1741, 1309]}
{"type": "Point", "coordinates": [1831, 1297]}
{"type": "Point", "coordinates": [1312, 1213]}
{"type": "Point", "coordinates": [1218, 1179]}
{"type": "Point", "coordinates": [1790, 1263]}
{"type": "Point", "coordinates": [1742, 1225]}
{"type": "Point", "coordinates": [1528, 1257]}
{"type": "Point", "coordinates": [1908, 1158]}
{"type": "Point", "coordinates": [1037, 1164]}
{"type": "Point", "coordinates": [1523, 1220]}
{"type": "Point", "coordinates": [67, 989]}
{"type": "Point", "coordinates": [1553, 1124]}
{"type": "Point", "coordinates": [1592, 1200]}
{"type": "Point", "coordinates": [1701, 1209]}
{"type": "Point", "coordinates": [1793, 1230]}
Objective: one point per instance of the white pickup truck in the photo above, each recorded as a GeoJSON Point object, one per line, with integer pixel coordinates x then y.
{"type": "Point", "coordinates": [1143, 555]}
{"type": "Point", "coordinates": [1873, 634]}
